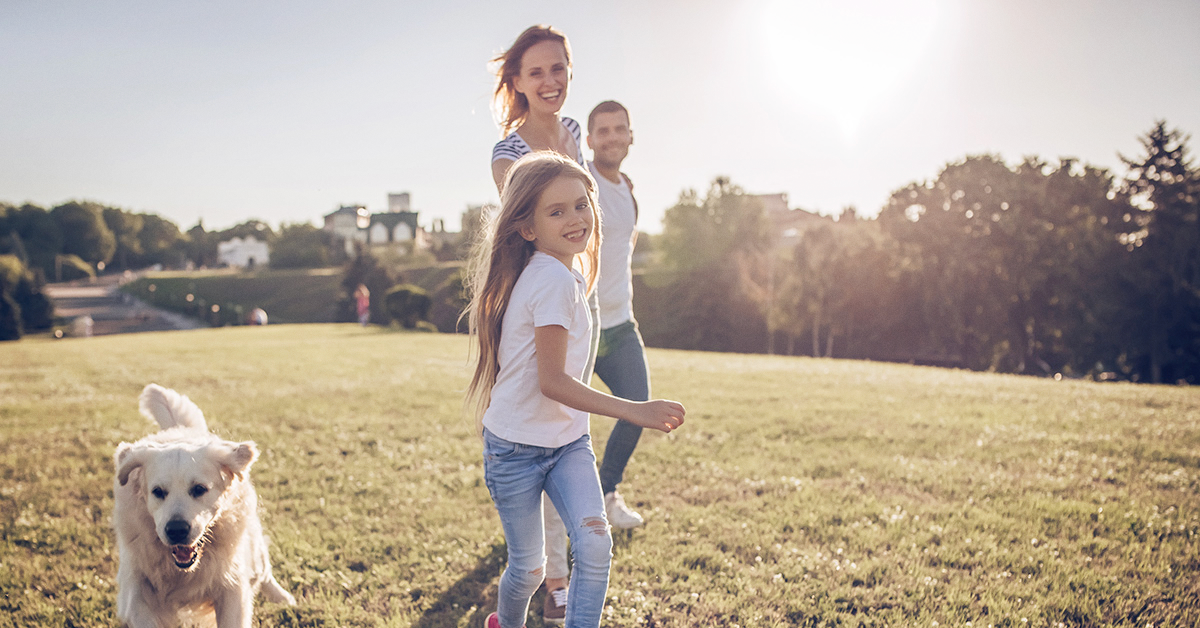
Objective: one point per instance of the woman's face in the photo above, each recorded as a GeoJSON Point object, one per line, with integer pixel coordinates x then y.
{"type": "Point", "coordinates": [544, 77]}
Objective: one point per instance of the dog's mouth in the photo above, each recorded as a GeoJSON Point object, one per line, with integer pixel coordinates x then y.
{"type": "Point", "coordinates": [185, 555]}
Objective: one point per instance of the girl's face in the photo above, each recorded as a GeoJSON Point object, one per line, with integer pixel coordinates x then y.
{"type": "Point", "coordinates": [563, 220]}
{"type": "Point", "coordinates": [544, 77]}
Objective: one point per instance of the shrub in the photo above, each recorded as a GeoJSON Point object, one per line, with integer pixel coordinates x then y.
{"type": "Point", "coordinates": [408, 305]}
{"type": "Point", "coordinates": [22, 286]}
{"type": "Point", "coordinates": [10, 318]}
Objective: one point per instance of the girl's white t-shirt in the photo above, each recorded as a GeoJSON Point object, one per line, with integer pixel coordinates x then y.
{"type": "Point", "coordinates": [546, 293]}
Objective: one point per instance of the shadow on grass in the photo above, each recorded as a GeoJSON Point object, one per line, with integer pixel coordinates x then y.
{"type": "Point", "coordinates": [474, 593]}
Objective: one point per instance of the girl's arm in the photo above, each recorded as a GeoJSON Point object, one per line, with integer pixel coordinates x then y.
{"type": "Point", "coordinates": [550, 342]}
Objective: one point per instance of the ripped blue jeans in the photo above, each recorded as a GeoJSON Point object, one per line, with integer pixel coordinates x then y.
{"type": "Point", "coordinates": [516, 475]}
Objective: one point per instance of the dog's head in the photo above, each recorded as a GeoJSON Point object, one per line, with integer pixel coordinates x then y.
{"type": "Point", "coordinates": [182, 484]}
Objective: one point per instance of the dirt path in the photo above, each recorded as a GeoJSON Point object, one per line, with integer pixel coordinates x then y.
{"type": "Point", "coordinates": [113, 311]}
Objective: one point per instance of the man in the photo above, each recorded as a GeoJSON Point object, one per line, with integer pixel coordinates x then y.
{"type": "Point", "coordinates": [621, 358]}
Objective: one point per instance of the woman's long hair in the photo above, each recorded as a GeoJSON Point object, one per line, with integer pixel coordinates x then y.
{"type": "Point", "coordinates": [501, 253]}
{"type": "Point", "coordinates": [509, 106]}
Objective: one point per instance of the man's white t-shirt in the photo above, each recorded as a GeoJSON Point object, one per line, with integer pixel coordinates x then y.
{"type": "Point", "coordinates": [615, 287]}
{"type": "Point", "coordinates": [546, 293]}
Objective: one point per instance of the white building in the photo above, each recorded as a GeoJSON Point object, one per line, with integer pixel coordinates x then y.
{"type": "Point", "coordinates": [243, 253]}
{"type": "Point", "coordinates": [349, 222]}
{"type": "Point", "coordinates": [395, 228]}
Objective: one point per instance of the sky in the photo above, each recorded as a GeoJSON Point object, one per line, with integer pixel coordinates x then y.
{"type": "Point", "coordinates": [282, 111]}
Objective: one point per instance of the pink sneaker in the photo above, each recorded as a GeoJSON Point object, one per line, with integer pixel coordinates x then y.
{"type": "Point", "coordinates": [493, 621]}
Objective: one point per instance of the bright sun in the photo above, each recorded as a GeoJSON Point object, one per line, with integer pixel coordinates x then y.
{"type": "Point", "coordinates": [845, 55]}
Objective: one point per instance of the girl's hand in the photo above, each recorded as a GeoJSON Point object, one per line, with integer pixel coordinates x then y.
{"type": "Point", "coordinates": [658, 414]}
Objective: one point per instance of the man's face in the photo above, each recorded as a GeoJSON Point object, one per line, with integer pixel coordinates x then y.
{"type": "Point", "coordinates": [609, 138]}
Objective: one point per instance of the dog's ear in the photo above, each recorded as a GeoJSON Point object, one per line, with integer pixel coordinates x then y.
{"type": "Point", "coordinates": [128, 458]}
{"type": "Point", "coordinates": [238, 457]}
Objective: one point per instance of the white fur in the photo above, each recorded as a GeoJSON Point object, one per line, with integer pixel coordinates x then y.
{"type": "Point", "coordinates": [185, 489]}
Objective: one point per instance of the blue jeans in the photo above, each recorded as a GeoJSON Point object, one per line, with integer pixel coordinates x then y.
{"type": "Point", "coordinates": [516, 476]}
{"type": "Point", "coordinates": [621, 364]}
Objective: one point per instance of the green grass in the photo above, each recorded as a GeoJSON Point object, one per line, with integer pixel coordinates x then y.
{"type": "Point", "coordinates": [800, 492]}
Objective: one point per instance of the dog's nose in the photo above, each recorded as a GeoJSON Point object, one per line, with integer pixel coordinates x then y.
{"type": "Point", "coordinates": [177, 531]}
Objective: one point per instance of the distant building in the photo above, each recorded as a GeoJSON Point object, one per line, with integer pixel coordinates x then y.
{"type": "Point", "coordinates": [246, 252]}
{"type": "Point", "coordinates": [396, 228]}
{"type": "Point", "coordinates": [399, 202]}
{"type": "Point", "coordinates": [349, 222]}
{"type": "Point", "coordinates": [393, 228]}
{"type": "Point", "coordinates": [444, 244]}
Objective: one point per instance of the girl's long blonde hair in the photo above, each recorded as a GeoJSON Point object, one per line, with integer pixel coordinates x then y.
{"type": "Point", "coordinates": [508, 105]}
{"type": "Point", "coordinates": [501, 253]}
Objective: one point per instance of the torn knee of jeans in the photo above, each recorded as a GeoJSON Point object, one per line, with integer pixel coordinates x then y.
{"type": "Point", "coordinates": [597, 524]}
{"type": "Point", "coordinates": [536, 572]}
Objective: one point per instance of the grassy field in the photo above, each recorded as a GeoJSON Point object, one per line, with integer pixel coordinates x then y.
{"type": "Point", "coordinates": [800, 492]}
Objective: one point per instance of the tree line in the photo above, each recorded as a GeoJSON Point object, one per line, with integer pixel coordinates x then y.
{"type": "Point", "coordinates": [1038, 267]}
{"type": "Point", "coordinates": [77, 239]}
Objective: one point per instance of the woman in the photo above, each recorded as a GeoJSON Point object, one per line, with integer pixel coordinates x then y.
{"type": "Point", "coordinates": [532, 78]}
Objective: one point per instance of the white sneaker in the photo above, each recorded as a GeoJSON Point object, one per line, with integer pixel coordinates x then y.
{"type": "Point", "coordinates": [619, 515]}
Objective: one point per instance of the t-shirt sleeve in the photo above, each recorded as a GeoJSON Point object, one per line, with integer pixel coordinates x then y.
{"type": "Point", "coordinates": [506, 149]}
{"type": "Point", "coordinates": [554, 303]}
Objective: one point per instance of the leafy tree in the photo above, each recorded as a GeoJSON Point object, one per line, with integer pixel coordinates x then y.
{"type": "Point", "coordinates": [10, 241]}
{"type": "Point", "coordinates": [300, 245]}
{"type": "Point", "coordinates": [33, 236]}
{"type": "Point", "coordinates": [255, 228]}
{"type": "Point", "coordinates": [161, 242]}
{"type": "Point", "coordinates": [126, 228]}
{"type": "Point", "coordinates": [24, 301]}
{"type": "Point", "coordinates": [84, 232]}
{"type": "Point", "coordinates": [201, 246]}
{"type": "Point", "coordinates": [1079, 260]}
{"type": "Point", "coordinates": [34, 308]}
{"type": "Point", "coordinates": [1000, 250]}
{"type": "Point", "coordinates": [1165, 280]}
{"type": "Point", "coordinates": [716, 250]}
{"type": "Point", "coordinates": [10, 318]}
{"type": "Point", "coordinates": [837, 286]}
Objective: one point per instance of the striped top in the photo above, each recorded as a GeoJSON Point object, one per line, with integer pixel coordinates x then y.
{"type": "Point", "coordinates": [514, 148]}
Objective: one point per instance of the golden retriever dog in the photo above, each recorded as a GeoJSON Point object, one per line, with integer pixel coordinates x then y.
{"type": "Point", "coordinates": [186, 517]}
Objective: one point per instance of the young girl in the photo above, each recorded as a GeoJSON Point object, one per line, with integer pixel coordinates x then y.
{"type": "Point", "coordinates": [532, 80]}
{"type": "Point", "coordinates": [362, 304]}
{"type": "Point", "coordinates": [529, 314]}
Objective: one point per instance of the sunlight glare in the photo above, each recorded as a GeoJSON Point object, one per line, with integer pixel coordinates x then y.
{"type": "Point", "coordinates": [845, 56]}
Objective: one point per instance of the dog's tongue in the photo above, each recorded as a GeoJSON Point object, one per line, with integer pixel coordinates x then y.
{"type": "Point", "coordinates": [182, 553]}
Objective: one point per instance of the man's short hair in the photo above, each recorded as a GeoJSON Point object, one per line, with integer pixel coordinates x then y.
{"type": "Point", "coordinates": [608, 106]}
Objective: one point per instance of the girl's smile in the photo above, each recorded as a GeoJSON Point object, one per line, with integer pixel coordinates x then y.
{"type": "Point", "coordinates": [562, 221]}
